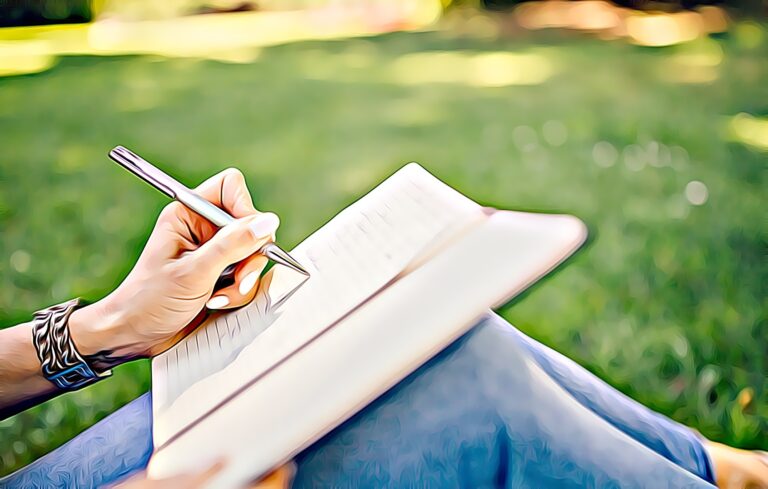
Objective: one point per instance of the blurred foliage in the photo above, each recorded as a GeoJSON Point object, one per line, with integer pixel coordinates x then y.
{"type": "Point", "coordinates": [39, 12]}
{"type": "Point", "coordinates": [667, 303]}
{"type": "Point", "coordinates": [747, 7]}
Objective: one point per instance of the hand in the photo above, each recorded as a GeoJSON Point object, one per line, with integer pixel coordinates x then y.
{"type": "Point", "coordinates": [166, 293]}
{"type": "Point", "coordinates": [279, 479]}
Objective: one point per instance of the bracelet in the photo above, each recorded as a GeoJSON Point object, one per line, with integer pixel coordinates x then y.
{"type": "Point", "coordinates": [61, 363]}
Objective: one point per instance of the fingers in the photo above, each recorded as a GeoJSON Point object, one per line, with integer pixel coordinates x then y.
{"type": "Point", "coordinates": [199, 480]}
{"type": "Point", "coordinates": [186, 224]}
{"type": "Point", "coordinates": [191, 481]}
{"type": "Point", "coordinates": [242, 291]}
{"type": "Point", "coordinates": [233, 243]}
{"type": "Point", "coordinates": [228, 190]}
{"type": "Point", "coordinates": [281, 478]}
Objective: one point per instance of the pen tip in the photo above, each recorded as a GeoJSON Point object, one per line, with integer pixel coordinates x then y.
{"type": "Point", "coordinates": [278, 255]}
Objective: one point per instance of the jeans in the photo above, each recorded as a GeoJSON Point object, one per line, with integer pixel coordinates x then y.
{"type": "Point", "coordinates": [494, 409]}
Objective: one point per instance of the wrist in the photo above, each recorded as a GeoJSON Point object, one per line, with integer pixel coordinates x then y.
{"type": "Point", "coordinates": [99, 331]}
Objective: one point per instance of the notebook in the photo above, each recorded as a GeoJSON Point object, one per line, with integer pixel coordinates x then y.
{"type": "Point", "coordinates": [394, 278]}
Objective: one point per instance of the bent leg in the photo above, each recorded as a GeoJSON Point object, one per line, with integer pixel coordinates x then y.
{"type": "Point", "coordinates": [483, 414]}
{"type": "Point", "coordinates": [672, 440]}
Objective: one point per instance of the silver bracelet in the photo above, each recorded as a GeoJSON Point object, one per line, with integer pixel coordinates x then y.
{"type": "Point", "coordinates": [61, 363]}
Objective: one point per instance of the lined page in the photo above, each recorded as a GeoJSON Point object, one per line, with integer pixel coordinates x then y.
{"type": "Point", "coordinates": [352, 257]}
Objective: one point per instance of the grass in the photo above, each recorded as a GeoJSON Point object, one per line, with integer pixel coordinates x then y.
{"type": "Point", "coordinates": [667, 304]}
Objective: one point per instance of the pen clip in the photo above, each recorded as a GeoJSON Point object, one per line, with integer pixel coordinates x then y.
{"type": "Point", "coordinates": [146, 171]}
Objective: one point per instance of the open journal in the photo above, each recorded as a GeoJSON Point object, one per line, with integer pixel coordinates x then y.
{"type": "Point", "coordinates": [395, 277]}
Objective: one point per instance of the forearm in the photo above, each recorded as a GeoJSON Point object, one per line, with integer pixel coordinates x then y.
{"type": "Point", "coordinates": [22, 383]}
{"type": "Point", "coordinates": [21, 380]}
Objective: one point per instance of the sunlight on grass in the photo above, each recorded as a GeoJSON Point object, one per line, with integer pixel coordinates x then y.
{"type": "Point", "coordinates": [468, 68]}
{"type": "Point", "coordinates": [697, 62]}
{"type": "Point", "coordinates": [233, 37]}
{"type": "Point", "coordinates": [490, 69]}
{"type": "Point", "coordinates": [749, 130]}
{"type": "Point", "coordinates": [20, 57]}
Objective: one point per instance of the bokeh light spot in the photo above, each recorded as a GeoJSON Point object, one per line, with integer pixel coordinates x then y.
{"type": "Point", "coordinates": [749, 34]}
{"type": "Point", "coordinates": [19, 447]}
{"type": "Point", "coordinates": [21, 260]}
{"type": "Point", "coordinates": [664, 29]}
{"type": "Point", "coordinates": [554, 133]}
{"type": "Point", "coordinates": [696, 192]}
{"type": "Point", "coordinates": [605, 154]}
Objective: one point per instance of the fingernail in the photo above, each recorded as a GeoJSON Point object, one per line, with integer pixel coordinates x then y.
{"type": "Point", "coordinates": [248, 282]}
{"type": "Point", "coordinates": [265, 225]}
{"type": "Point", "coordinates": [217, 302]}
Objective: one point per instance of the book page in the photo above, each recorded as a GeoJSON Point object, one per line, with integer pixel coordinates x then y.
{"type": "Point", "coordinates": [352, 257]}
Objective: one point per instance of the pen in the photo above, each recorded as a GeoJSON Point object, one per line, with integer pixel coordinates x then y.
{"type": "Point", "coordinates": [175, 190]}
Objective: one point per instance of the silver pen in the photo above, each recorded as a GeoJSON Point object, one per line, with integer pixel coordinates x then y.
{"type": "Point", "coordinates": [175, 190]}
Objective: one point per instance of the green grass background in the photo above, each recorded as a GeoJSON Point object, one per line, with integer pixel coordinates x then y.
{"type": "Point", "coordinates": [667, 303]}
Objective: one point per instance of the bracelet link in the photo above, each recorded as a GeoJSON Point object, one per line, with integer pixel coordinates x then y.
{"type": "Point", "coordinates": [60, 361]}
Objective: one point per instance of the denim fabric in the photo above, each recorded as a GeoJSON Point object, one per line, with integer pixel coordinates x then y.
{"type": "Point", "coordinates": [495, 409]}
{"type": "Point", "coordinates": [108, 451]}
{"type": "Point", "coordinates": [659, 433]}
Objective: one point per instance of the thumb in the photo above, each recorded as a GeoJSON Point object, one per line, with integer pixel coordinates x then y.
{"type": "Point", "coordinates": [235, 242]}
